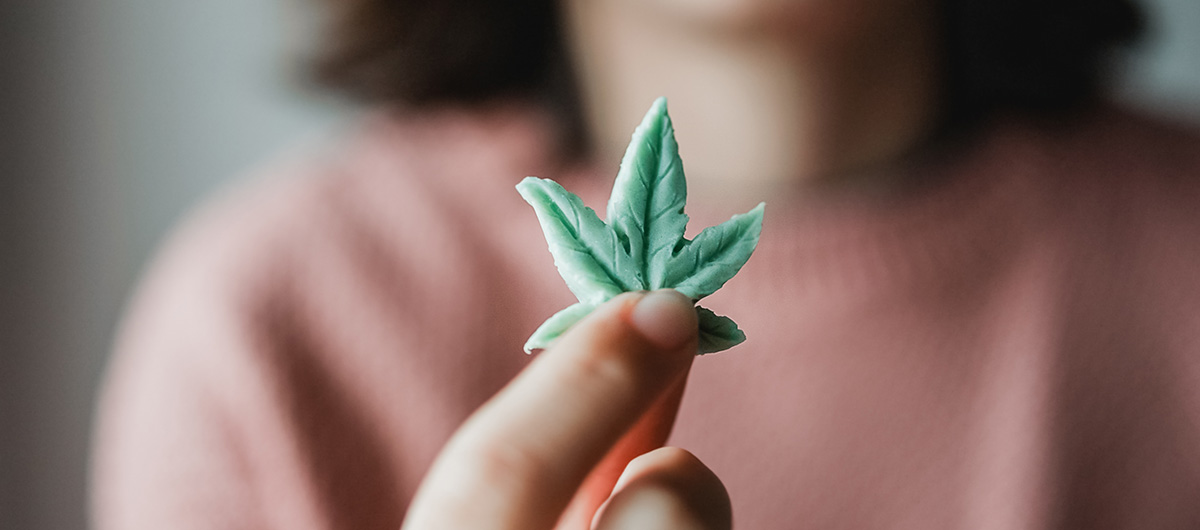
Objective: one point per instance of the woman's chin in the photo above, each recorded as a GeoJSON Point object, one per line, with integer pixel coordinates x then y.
{"type": "Point", "coordinates": [733, 15]}
{"type": "Point", "coordinates": [807, 19]}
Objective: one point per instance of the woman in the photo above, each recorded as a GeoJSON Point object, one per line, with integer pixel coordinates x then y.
{"type": "Point", "coordinates": [973, 304]}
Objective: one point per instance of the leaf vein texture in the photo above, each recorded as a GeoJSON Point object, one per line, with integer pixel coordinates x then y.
{"type": "Point", "coordinates": [641, 245]}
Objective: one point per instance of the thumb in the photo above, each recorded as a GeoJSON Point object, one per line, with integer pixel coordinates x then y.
{"type": "Point", "coordinates": [663, 312]}
{"type": "Point", "coordinates": [667, 489]}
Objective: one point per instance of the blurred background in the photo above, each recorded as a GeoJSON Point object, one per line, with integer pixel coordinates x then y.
{"type": "Point", "coordinates": [117, 115]}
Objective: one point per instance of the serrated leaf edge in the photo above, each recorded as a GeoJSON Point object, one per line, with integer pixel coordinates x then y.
{"type": "Point", "coordinates": [649, 271]}
{"type": "Point", "coordinates": [712, 336]}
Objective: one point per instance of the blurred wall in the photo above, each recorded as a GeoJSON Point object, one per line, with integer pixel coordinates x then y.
{"type": "Point", "coordinates": [115, 115]}
{"type": "Point", "coordinates": [1164, 73]}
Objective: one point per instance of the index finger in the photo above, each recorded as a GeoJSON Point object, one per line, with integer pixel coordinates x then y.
{"type": "Point", "coordinates": [519, 459]}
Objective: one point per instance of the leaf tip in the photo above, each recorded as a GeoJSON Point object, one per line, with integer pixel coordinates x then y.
{"type": "Point", "coordinates": [756, 217]}
{"type": "Point", "coordinates": [656, 115]}
{"type": "Point", "coordinates": [526, 184]}
{"type": "Point", "coordinates": [757, 212]}
{"type": "Point", "coordinates": [659, 106]}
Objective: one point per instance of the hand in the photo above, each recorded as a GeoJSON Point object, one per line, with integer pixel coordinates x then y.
{"type": "Point", "coordinates": [547, 450]}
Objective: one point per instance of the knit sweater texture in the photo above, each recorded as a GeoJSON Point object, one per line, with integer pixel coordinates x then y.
{"type": "Point", "coordinates": [1012, 344]}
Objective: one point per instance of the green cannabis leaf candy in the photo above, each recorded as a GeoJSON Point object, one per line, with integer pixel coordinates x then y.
{"type": "Point", "coordinates": [641, 247]}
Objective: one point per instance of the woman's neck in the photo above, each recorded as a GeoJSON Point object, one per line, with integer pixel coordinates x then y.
{"type": "Point", "coordinates": [758, 113]}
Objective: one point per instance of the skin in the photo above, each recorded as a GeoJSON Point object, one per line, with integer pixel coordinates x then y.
{"type": "Point", "coordinates": [778, 98]}
{"type": "Point", "coordinates": [770, 98]}
{"type": "Point", "coordinates": [546, 451]}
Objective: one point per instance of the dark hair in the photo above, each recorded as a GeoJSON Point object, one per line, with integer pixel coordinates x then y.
{"type": "Point", "coordinates": [1040, 56]}
{"type": "Point", "coordinates": [1033, 56]}
{"type": "Point", "coordinates": [417, 52]}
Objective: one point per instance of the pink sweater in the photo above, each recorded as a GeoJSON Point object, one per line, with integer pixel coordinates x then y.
{"type": "Point", "coordinates": [1014, 346]}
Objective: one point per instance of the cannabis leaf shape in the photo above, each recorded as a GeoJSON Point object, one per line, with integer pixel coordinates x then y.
{"type": "Point", "coordinates": [642, 246]}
